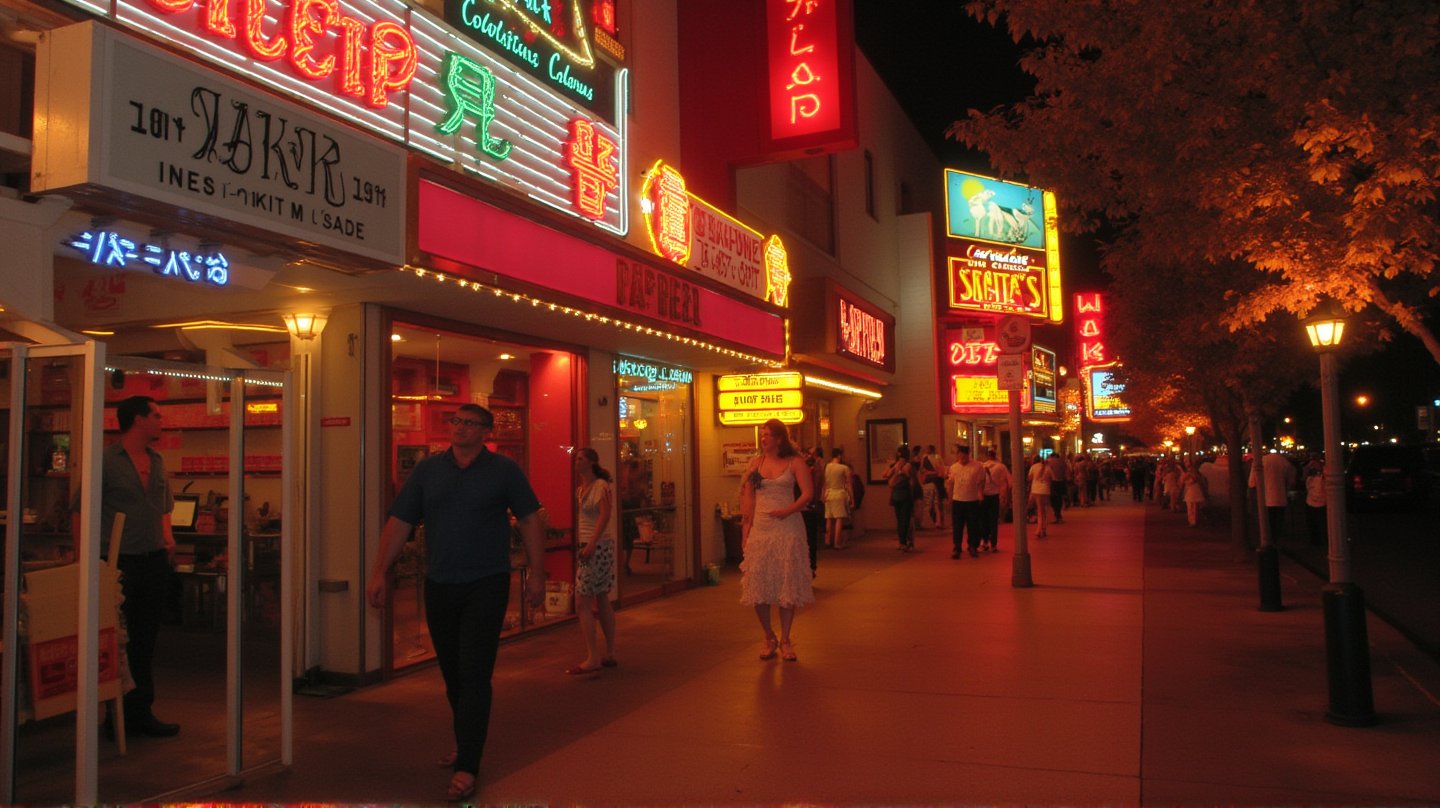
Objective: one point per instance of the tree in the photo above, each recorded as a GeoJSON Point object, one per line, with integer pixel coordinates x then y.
{"type": "Point", "coordinates": [1300, 138]}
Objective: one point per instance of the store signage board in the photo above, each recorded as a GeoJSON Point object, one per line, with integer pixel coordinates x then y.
{"type": "Point", "coordinates": [552, 42]}
{"type": "Point", "coordinates": [1090, 329]}
{"type": "Point", "coordinates": [394, 70]}
{"type": "Point", "coordinates": [141, 121]}
{"type": "Point", "coordinates": [1010, 372]}
{"type": "Point", "coordinates": [973, 358]}
{"type": "Point", "coordinates": [459, 234]}
{"type": "Point", "coordinates": [1105, 395]}
{"type": "Point", "coordinates": [755, 398]}
{"type": "Point", "coordinates": [863, 332]}
{"type": "Point", "coordinates": [1003, 250]}
{"type": "Point", "coordinates": [699, 236]}
{"type": "Point", "coordinates": [982, 395]}
{"type": "Point", "coordinates": [652, 372]}
{"type": "Point", "coordinates": [758, 417]}
{"type": "Point", "coordinates": [1043, 380]}
{"type": "Point", "coordinates": [811, 74]}
{"type": "Point", "coordinates": [785, 380]}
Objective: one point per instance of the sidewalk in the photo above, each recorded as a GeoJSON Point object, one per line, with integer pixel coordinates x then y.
{"type": "Point", "coordinates": [1137, 670]}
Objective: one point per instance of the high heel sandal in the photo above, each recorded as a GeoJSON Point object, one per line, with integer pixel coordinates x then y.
{"type": "Point", "coordinates": [787, 651]}
{"type": "Point", "coordinates": [460, 788]}
{"type": "Point", "coordinates": [769, 648]}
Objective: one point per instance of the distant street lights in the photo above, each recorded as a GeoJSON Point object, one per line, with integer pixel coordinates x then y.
{"type": "Point", "coordinates": [1347, 649]}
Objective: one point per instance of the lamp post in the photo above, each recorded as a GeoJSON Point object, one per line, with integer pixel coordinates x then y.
{"type": "Point", "coordinates": [1190, 440]}
{"type": "Point", "coordinates": [1347, 648]}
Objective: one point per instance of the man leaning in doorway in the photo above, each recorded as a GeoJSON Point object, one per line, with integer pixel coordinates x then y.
{"type": "Point", "coordinates": [967, 491]}
{"type": "Point", "coordinates": [133, 483]}
{"type": "Point", "coordinates": [465, 496]}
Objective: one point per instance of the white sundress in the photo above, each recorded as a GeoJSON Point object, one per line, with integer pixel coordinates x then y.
{"type": "Point", "coordinates": [776, 568]}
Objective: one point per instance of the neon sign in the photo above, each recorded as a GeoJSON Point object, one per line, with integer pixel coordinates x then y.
{"type": "Point", "coordinates": [805, 73]}
{"type": "Point", "coordinates": [666, 206]}
{"type": "Point", "coordinates": [367, 60]}
{"type": "Point", "coordinates": [697, 235]}
{"type": "Point", "coordinates": [592, 157]}
{"type": "Point", "coordinates": [549, 40]}
{"type": "Point", "coordinates": [1105, 394]}
{"type": "Point", "coordinates": [651, 372]}
{"type": "Point", "coordinates": [1090, 329]}
{"type": "Point", "coordinates": [743, 399]}
{"type": "Point", "coordinates": [973, 354]}
{"type": "Point", "coordinates": [862, 334]}
{"type": "Point", "coordinates": [1004, 254]}
{"type": "Point", "coordinates": [107, 248]}
{"type": "Point", "coordinates": [1042, 379]}
{"type": "Point", "coordinates": [394, 70]}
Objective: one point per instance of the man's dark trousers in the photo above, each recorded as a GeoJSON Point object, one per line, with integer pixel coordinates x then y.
{"type": "Point", "coordinates": [966, 516]}
{"type": "Point", "coordinates": [145, 582]}
{"type": "Point", "coordinates": [991, 508]}
{"type": "Point", "coordinates": [464, 621]}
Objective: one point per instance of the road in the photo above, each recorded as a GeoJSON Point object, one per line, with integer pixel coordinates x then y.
{"type": "Point", "coordinates": [1395, 559]}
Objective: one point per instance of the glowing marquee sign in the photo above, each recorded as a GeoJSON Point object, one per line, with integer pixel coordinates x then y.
{"type": "Point", "coordinates": [1043, 380]}
{"type": "Point", "coordinates": [863, 334]}
{"type": "Point", "coordinates": [754, 398]}
{"type": "Point", "coordinates": [806, 87]}
{"type": "Point", "coordinates": [592, 156]}
{"type": "Point", "coordinates": [1090, 329]}
{"type": "Point", "coordinates": [973, 357]}
{"type": "Point", "coordinates": [110, 249]}
{"type": "Point", "coordinates": [1105, 394]}
{"type": "Point", "coordinates": [1004, 247]}
{"type": "Point", "coordinates": [699, 236]}
{"type": "Point", "coordinates": [396, 71]}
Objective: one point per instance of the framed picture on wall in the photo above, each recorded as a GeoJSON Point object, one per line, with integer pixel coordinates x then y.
{"type": "Point", "coordinates": [406, 456]}
{"type": "Point", "coordinates": [882, 437]}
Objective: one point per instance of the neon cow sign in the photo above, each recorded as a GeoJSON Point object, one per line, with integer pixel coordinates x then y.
{"type": "Point", "coordinates": [777, 272]}
{"type": "Point", "coordinates": [666, 206]}
{"type": "Point", "coordinates": [317, 38]}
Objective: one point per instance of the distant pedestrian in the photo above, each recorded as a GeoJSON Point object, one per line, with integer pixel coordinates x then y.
{"type": "Point", "coordinates": [898, 478]}
{"type": "Point", "coordinates": [1315, 501]}
{"type": "Point", "coordinates": [1193, 486]}
{"type": "Point", "coordinates": [595, 563]}
{"type": "Point", "coordinates": [967, 502]}
{"type": "Point", "coordinates": [1037, 481]}
{"type": "Point", "coordinates": [997, 494]}
{"type": "Point", "coordinates": [1059, 472]}
{"type": "Point", "coordinates": [838, 498]}
{"type": "Point", "coordinates": [1279, 479]}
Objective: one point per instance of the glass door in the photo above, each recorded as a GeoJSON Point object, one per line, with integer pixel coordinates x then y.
{"type": "Point", "coordinates": [653, 480]}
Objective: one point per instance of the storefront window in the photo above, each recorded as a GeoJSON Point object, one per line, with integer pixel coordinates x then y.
{"type": "Point", "coordinates": [531, 393]}
{"type": "Point", "coordinates": [654, 478]}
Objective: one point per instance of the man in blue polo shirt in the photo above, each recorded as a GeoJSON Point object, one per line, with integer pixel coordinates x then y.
{"type": "Point", "coordinates": [465, 496]}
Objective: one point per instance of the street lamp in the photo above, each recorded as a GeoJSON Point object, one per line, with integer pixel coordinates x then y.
{"type": "Point", "coordinates": [1347, 649]}
{"type": "Point", "coordinates": [1190, 439]}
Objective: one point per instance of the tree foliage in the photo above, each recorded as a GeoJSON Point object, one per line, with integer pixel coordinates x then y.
{"type": "Point", "coordinates": [1299, 138]}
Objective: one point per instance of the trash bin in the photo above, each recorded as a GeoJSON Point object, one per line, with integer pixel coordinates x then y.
{"type": "Point", "coordinates": [730, 530]}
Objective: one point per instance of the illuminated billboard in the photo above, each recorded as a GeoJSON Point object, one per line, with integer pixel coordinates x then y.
{"type": "Point", "coordinates": [1043, 380]}
{"type": "Point", "coordinates": [1105, 394]}
{"type": "Point", "coordinates": [1090, 329]}
{"type": "Point", "coordinates": [971, 359]}
{"type": "Point", "coordinates": [1003, 250]}
{"type": "Point", "coordinates": [811, 75]}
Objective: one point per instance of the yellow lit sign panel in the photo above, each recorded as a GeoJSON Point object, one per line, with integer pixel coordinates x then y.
{"type": "Point", "coordinates": [789, 380]}
{"type": "Point", "coordinates": [757, 417]}
{"type": "Point", "coordinates": [257, 407]}
{"type": "Point", "coordinates": [761, 400]}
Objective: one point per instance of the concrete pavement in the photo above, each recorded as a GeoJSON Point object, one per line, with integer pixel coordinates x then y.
{"type": "Point", "coordinates": [1137, 670]}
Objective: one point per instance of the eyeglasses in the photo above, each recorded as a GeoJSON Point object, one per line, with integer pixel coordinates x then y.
{"type": "Point", "coordinates": [470, 422]}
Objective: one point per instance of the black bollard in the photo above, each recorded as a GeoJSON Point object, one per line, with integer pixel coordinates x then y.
{"type": "Point", "coordinates": [1268, 567]}
{"type": "Point", "coordinates": [1347, 656]}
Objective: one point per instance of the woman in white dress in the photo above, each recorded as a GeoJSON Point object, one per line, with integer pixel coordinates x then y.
{"type": "Point", "coordinates": [837, 499]}
{"type": "Point", "coordinates": [776, 568]}
{"type": "Point", "coordinates": [1038, 481]}
{"type": "Point", "coordinates": [595, 569]}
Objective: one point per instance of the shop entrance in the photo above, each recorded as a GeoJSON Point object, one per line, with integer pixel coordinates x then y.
{"type": "Point", "coordinates": [531, 392]}
{"type": "Point", "coordinates": [653, 485]}
{"type": "Point", "coordinates": [221, 659]}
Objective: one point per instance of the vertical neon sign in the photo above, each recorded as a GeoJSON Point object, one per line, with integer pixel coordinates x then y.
{"type": "Point", "coordinates": [1090, 329]}
{"type": "Point", "coordinates": [805, 75]}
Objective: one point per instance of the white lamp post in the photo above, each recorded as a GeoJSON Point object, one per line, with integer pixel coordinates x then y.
{"type": "Point", "coordinates": [1347, 648]}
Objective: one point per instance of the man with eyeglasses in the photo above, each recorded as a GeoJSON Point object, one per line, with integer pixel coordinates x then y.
{"type": "Point", "coordinates": [464, 497]}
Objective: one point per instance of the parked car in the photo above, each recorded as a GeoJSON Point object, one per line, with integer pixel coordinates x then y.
{"type": "Point", "coordinates": [1389, 474]}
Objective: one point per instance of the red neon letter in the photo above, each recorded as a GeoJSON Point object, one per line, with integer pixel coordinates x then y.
{"type": "Point", "coordinates": [173, 5]}
{"type": "Point", "coordinates": [390, 44]}
{"type": "Point", "coordinates": [217, 18]}
{"type": "Point", "coordinates": [352, 39]}
{"type": "Point", "coordinates": [253, 17]}
{"type": "Point", "coordinates": [305, 28]}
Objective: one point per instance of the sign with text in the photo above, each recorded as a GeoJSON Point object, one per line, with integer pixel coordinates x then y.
{"type": "Point", "coordinates": [810, 44]}
{"type": "Point", "coordinates": [755, 398]}
{"type": "Point", "coordinates": [863, 331]}
{"type": "Point", "coordinates": [1043, 380]}
{"type": "Point", "coordinates": [972, 357]}
{"type": "Point", "coordinates": [1003, 251]}
{"type": "Point", "coordinates": [549, 40]}
{"type": "Point", "coordinates": [1090, 329]}
{"type": "Point", "coordinates": [463, 234]}
{"type": "Point", "coordinates": [699, 236]}
{"type": "Point", "coordinates": [394, 70]}
{"type": "Point", "coordinates": [1105, 395]}
{"type": "Point", "coordinates": [1010, 373]}
{"type": "Point", "coordinates": [165, 129]}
